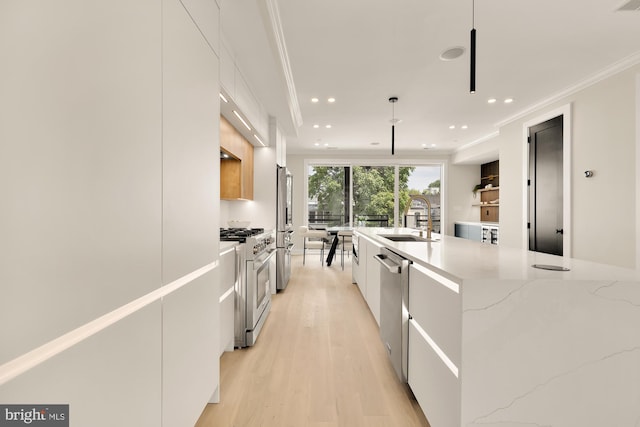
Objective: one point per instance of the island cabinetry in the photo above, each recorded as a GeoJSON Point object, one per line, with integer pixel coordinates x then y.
{"type": "Point", "coordinates": [435, 334]}
{"type": "Point", "coordinates": [496, 342]}
{"type": "Point", "coordinates": [356, 274]}
{"type": "Point", "coordinates": [228, 276]}
{"type": "Point", "coordinates": [372, 287]}
{"type": "Point", "coordinates": [360, 275]}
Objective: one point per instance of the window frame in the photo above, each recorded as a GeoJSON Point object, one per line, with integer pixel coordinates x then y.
{"type": "Point", "coordinates": [396, 163]}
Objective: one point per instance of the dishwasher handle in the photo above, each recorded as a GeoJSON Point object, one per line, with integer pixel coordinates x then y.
{"type": "Point", "coordinates": [393, 267]}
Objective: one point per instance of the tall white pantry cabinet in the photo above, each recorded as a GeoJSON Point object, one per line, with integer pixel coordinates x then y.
{"type": "Point", "coordinates": [109, 214]}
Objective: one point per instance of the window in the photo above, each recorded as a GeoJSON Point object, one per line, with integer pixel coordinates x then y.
{"type": "Point", "coordinates": [363, 195]}
{"type": "Point", "coordinates": [373, 196]}
{"type": "Point", "coordinates": [328, 197]}
{"type": "Point", "coordinates": [423, 181]}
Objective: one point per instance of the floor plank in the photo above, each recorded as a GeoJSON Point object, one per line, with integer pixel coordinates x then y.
{"type": "Point", "coordinates": [318, 362]}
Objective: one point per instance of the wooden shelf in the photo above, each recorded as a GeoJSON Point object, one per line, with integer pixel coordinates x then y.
{"type": "Point", "coordinates": [486, 204]}
{"type": "Point", "coordinates": [482, 190]}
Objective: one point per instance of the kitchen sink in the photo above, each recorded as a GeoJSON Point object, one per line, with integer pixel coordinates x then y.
{"type": "Point", "coordinates": [406, 238]}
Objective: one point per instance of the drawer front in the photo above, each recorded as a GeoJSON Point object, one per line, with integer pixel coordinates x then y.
{"type": "Point", "coordinates": [435, 387]}
{"type": "Point", "coordinates": [436, 307]}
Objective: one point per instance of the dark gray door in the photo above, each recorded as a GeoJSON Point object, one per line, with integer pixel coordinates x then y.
{"type": "Point", "coordinates": [545, 187]}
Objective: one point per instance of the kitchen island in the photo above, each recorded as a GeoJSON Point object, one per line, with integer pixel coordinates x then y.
{"type": "Point", "coordinates": [496, 342]}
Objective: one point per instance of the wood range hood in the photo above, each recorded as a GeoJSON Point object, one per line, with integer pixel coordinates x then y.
{"type": "Point", "coordinates": [236, 164]}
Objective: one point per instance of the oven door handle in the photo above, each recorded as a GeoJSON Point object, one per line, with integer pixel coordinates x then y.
{"type": "Point", "coordinates": [263, 259]}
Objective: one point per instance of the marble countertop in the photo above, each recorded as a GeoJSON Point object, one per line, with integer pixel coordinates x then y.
{"type": "Point", "coordinates": [460, 259]}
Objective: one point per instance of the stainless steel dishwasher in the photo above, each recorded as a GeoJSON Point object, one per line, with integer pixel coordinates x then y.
{"type": "Point", "coordinates": [394, 308]}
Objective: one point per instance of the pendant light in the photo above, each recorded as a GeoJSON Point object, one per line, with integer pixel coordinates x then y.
{"type": "Point", "coordinates": [472, 79]}
{"type": "Point", "coordinates": [393, 101]}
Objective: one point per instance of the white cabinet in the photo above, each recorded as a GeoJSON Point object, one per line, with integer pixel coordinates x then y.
{"type": "Point", "coordinates": [372, 271]}
{"type": "Point", "coordinates": [190, 233]}
{"type": "Point", "coordinates": [360, 275]}
{"type": "Point", "coordinates": [236, 87]}
{"type": "Point", "coordinates": [228, 277]}
{"type": "Point", "coordinates": [367, 274]}
{"type": "Point", "coordinates": [355, 264]}
{"type": "Point", "coordinates": [277, 139]}
{"type": "Point", "coordinates": [227, 70]}
{"type": "Point", "coordinates": [206, 16]}
{"type": "Point", "coordinates": [435, 340]}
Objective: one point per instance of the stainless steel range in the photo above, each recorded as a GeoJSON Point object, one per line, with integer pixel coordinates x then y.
{"type": "Point", "coordinates": [252, 289]}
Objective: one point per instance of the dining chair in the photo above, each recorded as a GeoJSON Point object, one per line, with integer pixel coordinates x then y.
{"type": "Point", "coordinates": [313, 239]}
{"type": "Point", "coordinates": [345, 242]}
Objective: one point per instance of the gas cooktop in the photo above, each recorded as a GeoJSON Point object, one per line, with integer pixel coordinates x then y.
{"type": "Point", "coordinates": [238, 234]}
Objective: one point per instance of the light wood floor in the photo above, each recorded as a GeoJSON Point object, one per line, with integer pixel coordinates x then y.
{"type": "Point", "coordinates": [318, 362]}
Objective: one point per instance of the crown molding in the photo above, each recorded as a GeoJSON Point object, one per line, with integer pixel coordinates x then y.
{"type": "Point", "coordinates": [611, 70]}
{"type": "Point", "coordinates": [477, 141]}
{"type": "Point", "coordinates": [278, 35]}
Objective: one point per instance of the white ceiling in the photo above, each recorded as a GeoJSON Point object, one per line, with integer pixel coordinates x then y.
{"type": "Point", "coordinates": [364, 51]}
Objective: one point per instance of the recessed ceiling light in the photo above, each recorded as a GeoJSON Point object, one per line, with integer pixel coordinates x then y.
{"type": "Point", "coordinates": [326, 144]}
{"type": "Point", "coordinates": [452, 53]}
{"type": "Point", "coordinates": [433, 145]}
{"type": "Point", "coordinates": [316, 126]}
{"type": "Point", "coordinates": [314, 100]}
{"type": "Point", "coordinates": [328, 126]}
{"type": "Point", "coordinates": [223, 98]}
{"type": "Point", "coordinates": [452, 127]}
{"type": "Point", "coordinates": [331, 100]}
{"type": "Point", "coordinates": [491, 100]}
{"type": "Point", "coordinates": [464, 127]}
{"type": "Point", "coordinates": [508, 100]}
{"type": "Point", "coordinates": [317, 144]}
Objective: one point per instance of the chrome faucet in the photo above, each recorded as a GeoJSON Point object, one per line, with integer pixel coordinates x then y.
{"type": "Point", "coordinates": [424, 199]}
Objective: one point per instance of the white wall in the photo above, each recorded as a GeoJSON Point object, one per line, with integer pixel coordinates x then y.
{"type": "Point", "coordinates": [460, 199]}
{"type": "Point", "coordinates": [604, 140]}
{"type": "Point", "coordinates": [109, 175]}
